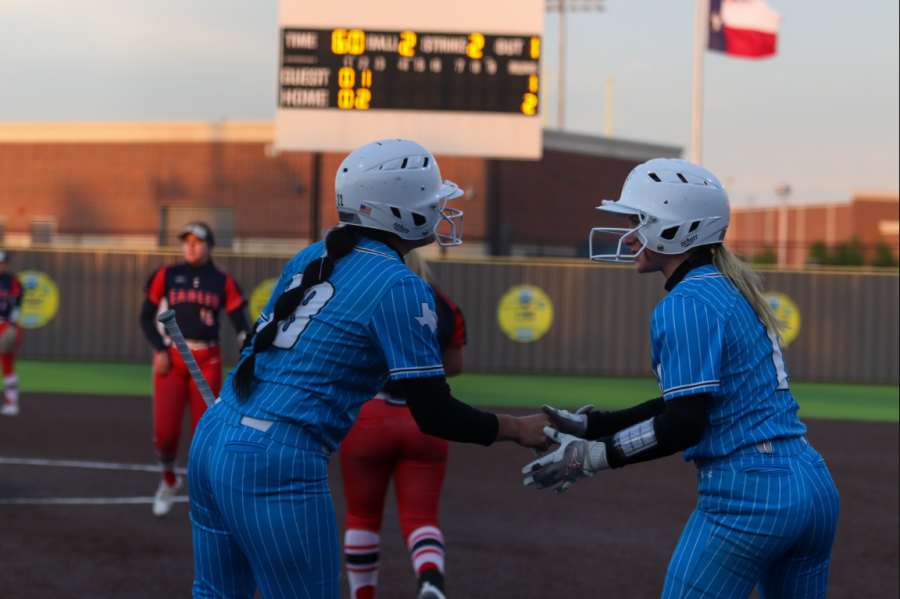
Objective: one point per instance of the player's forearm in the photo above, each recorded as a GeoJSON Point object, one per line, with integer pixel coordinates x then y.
{"type": "Point", "coordinates": [439, 414]}
{"type": "Point", "coordinates": [604, 424]}
{"type": "Point", "coordinates": [238, 319]}
{"type": "Point", "coordinates": [148, 326]}
{"type": "Point", "coordinates": [679, 427]}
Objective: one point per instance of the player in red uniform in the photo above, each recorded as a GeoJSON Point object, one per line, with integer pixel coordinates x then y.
{"type": "Point", "coordinates": [386, 440]}
{"type": "Point", "coordinates": [10, 336]}
{"type": "Point", "coordinates": [198, 292]}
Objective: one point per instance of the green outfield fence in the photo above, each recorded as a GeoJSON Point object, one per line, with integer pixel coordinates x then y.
{"type": "Point", "coordinates": [850, 320]}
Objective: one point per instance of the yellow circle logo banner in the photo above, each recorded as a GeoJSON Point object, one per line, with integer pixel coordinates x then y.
{"type": "Point", "coordinates": [525, 313]}
{"type": "Point", "coordinates": [260, 297]}
{"type": "Point", "coordinates": [40, 299]}
{"type": "Point", "coordinates": [787, 312]}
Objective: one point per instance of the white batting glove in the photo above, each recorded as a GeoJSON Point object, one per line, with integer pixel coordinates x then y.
{"type": "Point", "coordinates": [574, 460]}
{"type": "Point", "coordinates": [571, 424]}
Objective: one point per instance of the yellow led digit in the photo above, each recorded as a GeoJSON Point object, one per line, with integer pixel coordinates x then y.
{"type": "Point", "coordinates": [363, 96]}
{"type": "Point", "coordinates": [346, 77]}
{"type": "Point", "coordinates": [365, 78]}
{"type": "Point", "coordinates": [407, 46]}
{"type": "Point", "coordinates": [533, 83]}
{"type": "Point", "coordinates": [535, 48]}
{"type": "Point", "coordinates": [529, 104]}
{"type": "Point", "coordinates": [475, 47]}
{"type": "Point", "coordinates": [345, 98]}
{"type": "Point", "coordinates": [356, 41]}
{"type": "Point", "coordinates": [339, 41]}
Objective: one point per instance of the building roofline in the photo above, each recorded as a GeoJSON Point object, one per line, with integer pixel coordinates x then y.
{"type": "Point", "coordinates": [606, 147]}
{"type": "Point", "coordinates": [137, 132]}
{"type": "Point", "coordinates": [870, 195]}
{"type": "Point", "coordinates": [264, 132]}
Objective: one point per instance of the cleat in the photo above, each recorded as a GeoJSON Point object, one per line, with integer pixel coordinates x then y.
{"type": "Point", "coordinates": [165, 497]}
{"type": "Point", "coordinates": [10, 409]}
{"type": "Point", "coordinates": [429, 591]}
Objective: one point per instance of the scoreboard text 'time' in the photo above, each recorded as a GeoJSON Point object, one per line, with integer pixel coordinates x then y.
{"type": "Point", "coordinates": [357, 70]}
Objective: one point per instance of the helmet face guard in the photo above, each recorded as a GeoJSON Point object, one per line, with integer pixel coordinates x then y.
{"type": "Point", "coordinates": [452, 216]}
{"type": "Point", "coordinates": [620, 257]}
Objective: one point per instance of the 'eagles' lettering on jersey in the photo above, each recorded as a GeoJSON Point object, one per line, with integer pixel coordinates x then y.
{"type": "Point", "coordinates": [197, 294]}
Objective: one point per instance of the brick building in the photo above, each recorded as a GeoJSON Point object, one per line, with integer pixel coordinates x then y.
{"type": "Point", "coordinates": [869, 217]}
{"type": "Point", "coordinates": [134, 184]}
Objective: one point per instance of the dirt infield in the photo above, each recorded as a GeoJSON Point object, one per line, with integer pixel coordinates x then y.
{"type": "Point", "coordinates": [611, 536]}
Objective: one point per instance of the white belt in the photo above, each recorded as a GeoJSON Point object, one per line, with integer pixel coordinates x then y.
{"type": "Point", "coordinates": [394, 401]}
{"type": "Point", "coordinates": [196, 344]}
{"type": "Point", "coordinates": [257, 423]}
{"type": "Point", "coordinates": [765, 447]}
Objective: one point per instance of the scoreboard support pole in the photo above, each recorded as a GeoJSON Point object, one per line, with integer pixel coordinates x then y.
{"type": "Point", "coordinates": [316, 216]}
{"type": "Point", "coordinates": [495, 211]}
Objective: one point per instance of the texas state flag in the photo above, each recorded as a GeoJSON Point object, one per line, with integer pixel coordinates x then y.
{"type": "Point", "coordinates": [745, 28]}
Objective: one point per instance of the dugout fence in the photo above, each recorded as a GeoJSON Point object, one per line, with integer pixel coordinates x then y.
{"type": "Point", "coordinates": [849, 320]}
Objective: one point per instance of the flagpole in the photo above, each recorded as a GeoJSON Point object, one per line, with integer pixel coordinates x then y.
{"type": "Point", "coordinates": [700, 31]}
{"type": "Point", "coordinates": [561, 75]}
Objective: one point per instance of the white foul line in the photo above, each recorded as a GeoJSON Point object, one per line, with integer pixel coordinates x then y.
{"type": "Point", "coordinates": [85, 500]}
{"type": "Point", "coordinates": [81, 464]}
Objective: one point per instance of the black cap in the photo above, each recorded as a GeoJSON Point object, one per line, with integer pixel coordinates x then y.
{"type": "Point", "coordinates": [199, 230]}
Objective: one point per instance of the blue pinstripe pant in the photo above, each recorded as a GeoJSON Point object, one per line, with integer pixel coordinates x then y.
{"type": "Point", "coordinates": [766, 520]}
{"type": "Point", "coordinates": [262, 512]}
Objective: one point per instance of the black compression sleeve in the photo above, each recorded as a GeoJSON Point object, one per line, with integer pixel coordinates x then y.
{"type": "Point", "coordinates": [679, 427]}
{"type": "Point", "coordinates": [148, 325]}
{"type": "Point", "coordinates": [439, 414]}
{"type": "Point", "coordinates": [238, 319]}
{"type": "Point", "coordinates": [603, 424]}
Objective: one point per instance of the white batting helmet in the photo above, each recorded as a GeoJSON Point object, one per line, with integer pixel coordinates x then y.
{"type": "Point", "coordinates": [395, 185]}
{"type": "Point", "coordinates": [680, 205]}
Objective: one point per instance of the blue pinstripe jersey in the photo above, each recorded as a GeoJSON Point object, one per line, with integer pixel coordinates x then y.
{"type": "Point", "coordinates": [708, 338]}
{"type": "Point", "coordinates": [374, 319]}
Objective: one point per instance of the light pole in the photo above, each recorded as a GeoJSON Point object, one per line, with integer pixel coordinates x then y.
{"type": "Point", "coordinates": [562, 7]}
{"type": "Point", "coordinates": [784, 193]}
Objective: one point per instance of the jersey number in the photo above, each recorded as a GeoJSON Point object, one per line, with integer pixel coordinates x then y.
{"type": "Point", "coordinates": [314, 300]}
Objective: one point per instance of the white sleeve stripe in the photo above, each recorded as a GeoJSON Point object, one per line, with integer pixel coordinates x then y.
{"type": "Point", "coordinates": [417, 369]}
{"type": "Point", "coordinates": [692, 386]}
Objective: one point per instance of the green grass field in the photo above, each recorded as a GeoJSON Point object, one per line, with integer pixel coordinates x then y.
{"type": "Point", "coordinates": [817, 400]}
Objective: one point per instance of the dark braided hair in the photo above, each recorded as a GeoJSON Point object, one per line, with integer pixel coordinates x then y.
{"type": "Point", "coordinates": [338, 243]}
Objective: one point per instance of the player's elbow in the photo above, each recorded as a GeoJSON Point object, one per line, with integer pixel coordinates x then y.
{"type": "Point", "coordinates": [454, 360]}
{"type": "Point", "coordinates": [693, 435]}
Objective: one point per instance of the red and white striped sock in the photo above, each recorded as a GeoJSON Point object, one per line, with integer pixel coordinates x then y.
{"type": "Point", "coordinates": [426, 549]}
{"type": "Point", "coordinates": [12, 389]}
{"type": "Point", "coordinates": [362, 552]}
{"type": "Point", "coordinates": [167, 470]}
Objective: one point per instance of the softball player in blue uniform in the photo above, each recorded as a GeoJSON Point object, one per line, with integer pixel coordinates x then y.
{"type": "Point", "coordinates": [345, 316]}
{"type": "Point", "coordinates": [768, 507]}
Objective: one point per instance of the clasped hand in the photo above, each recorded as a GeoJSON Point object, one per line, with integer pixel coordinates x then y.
{"type": "Point", "coordinates": [573, 460]}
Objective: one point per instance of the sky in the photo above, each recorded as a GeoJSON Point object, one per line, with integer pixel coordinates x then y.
{"type": "Point", "coordinates": [821, 116]}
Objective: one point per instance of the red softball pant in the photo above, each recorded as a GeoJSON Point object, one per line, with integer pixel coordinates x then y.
{"type": "Point", "coordinates": [171, 393]}
{"type": "Point", "coordinates": [386, 440]}
{"type": "Point", "coordinates": [8, 361]}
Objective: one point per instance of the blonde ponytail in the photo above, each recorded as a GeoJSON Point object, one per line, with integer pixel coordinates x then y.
{"type": "Point", "coordinates": [747, 281]}
{"type": "Point", "coordinates": [418, 265]}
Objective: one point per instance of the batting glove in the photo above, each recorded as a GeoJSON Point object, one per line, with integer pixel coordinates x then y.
{"type": "Point", "coordinates": [574, 460]}
{"type": "Point", "coordinates": [571, 424]}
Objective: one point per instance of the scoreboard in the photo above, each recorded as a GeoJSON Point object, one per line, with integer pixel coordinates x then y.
{"type": "Point", "coordinates": [354, 69]}
{"type": "Point", "coordinates": [462, 77]}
